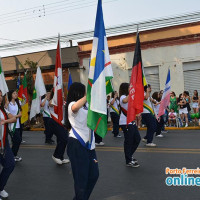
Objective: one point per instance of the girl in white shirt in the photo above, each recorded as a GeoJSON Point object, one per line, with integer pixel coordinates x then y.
{"type": "Point", "coordinates": [6, 155]}
{"type": "Point", "coordinates": [131, 134]}
{"type": "Point", "coordinates": [15, 109]}
{"type": "Point", "coordinates": [81, 143]}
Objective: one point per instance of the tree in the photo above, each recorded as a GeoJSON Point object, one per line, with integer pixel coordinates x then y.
{"type": "Point", "coordinates": [29, 74]}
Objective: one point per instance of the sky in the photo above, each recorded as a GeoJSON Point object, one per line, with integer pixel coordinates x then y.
{"type": "Point", "coordinates": [50, 17]}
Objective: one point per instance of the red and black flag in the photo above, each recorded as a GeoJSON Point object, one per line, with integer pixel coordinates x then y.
{"type": "Point", "coordinates": [136, 89]}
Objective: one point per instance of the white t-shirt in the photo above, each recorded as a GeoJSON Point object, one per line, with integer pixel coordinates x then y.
{"type": "Point", "coordinates": [156, 108]}
{"type": "Point", "coordinates": [116, 105]}
{"type": "Point", "coordinates": [46, 111]}
{"type": "Point", "coordinates": [148, 103]}
{"type": "Point", "coordinates": [123, 118]}
{"type": "Point", "coordinates": [78, 122]}
{"type": "Point", "coordinates": [2, 117]}
{"type": "Point", "coordinates": [172, 114]}
{"type": "Point", "coordinates": [14, 110]}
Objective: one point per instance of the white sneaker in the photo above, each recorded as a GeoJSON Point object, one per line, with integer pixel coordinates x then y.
{"type": "Point", "coordinates": [186, 125]}
{"type": "Point", "coordinates": [100, 144]}
{"type": "Point", "coordinates": [144, 140]}
{"type": "Point", "coordinates": [3, 194]}
{"type": "Point", "coordinates": [119, 136]}
{"type": "Point", "coordinates": [160, 135]}
{"type": "Point", "coordinates": [57, 160]}
{"type": "Point", "coordinates": [17, 159]}
{"type": "Point", "coordinates": [65, 161]}
{"type": "Point", "coordinates": [151, 145]}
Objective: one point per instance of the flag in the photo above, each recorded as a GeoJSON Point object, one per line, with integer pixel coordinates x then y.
{"type": "Point", "coordinates": [136, 89]}
{"type": "Point", "coordinates": [166, 96]}
{"type": "Point", "coordinates": [18, 82]}
{"type": "Point", "coordinates": [57, 100]}
{"type": "Point", "coordinates": [99, 80]}
{"type": "Point", "coordinates": [23, 89]}
{"type": "Point", "coordinates": [69, 81]}
{"type": "Point", "coordinates": [3, 85]}
{"type": "Point", "coordinates": [39, 90]}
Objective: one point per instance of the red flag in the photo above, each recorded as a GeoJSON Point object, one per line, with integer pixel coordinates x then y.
{"type": "Point", "coordinates": [57, 101]}
{"type": "Point", "coordinates": [136, 89]}
{"type": "Point", "coordinates": [20, 92]}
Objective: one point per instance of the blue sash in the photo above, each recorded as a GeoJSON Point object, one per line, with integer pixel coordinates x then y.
{"type": "Point", "coordinates": [80, 139]}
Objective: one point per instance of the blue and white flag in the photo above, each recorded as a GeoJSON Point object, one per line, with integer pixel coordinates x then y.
{"type": "Point", "coordinates": [99, 80]}
{"type": "Point", "coordinates": [69, 81]}
{"type": "Point", "coordinates": [166, 96]}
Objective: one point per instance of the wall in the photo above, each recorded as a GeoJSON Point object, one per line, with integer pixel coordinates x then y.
{"type": "Point", "coordinates": [171, 57]}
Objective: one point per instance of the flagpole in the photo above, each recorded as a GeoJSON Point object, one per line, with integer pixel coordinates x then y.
{"type": "Point", "coordinates": [137, 28]}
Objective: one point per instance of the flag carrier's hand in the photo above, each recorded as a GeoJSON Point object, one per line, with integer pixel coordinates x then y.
{"type": "Point", "coordinates": [2, 150]}
{"type": "Point", "coordinates": [2, 122]}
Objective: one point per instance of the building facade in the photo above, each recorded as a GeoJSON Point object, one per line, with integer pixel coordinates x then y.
{"type": "Point", "coordinates": [46, 60]}
{"type": "Point", "coordinates": [176, 48]}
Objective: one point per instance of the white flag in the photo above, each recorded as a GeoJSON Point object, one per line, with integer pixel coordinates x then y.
{"type": "Point", "coordinates": [3, 85]}
{"type": "Point", "coordinates": [39, 90]}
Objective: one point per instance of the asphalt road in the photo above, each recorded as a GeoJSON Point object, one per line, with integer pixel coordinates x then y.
{"type": "Point", "coordinates": [37, 177]}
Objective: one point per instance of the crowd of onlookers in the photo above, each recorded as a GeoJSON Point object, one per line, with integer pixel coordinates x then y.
{"type": "Point", "coordinates": [183, 110]}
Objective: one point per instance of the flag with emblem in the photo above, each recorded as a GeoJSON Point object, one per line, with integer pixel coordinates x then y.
{"type": "Point", "coordinates": [3, 85]}
{"type": "Point", "coordinates": [57, 101]}
{"type": "Point", "coordinates": [24, 100]}
{"type": "Point", "coordinates": [39, 90]}
{"type": "Point", "coordinates": [99, 80]}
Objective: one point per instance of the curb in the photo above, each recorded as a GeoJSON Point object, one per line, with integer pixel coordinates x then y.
{"type": "Point", "coordinates": [142, 129]}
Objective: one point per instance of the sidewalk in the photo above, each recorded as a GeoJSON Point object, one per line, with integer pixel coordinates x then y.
{"type": "Point", "coordinates": [166, 128]}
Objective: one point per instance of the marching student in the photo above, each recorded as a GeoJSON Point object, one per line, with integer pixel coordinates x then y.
{"type": "Point", "coordinates": [148, 117]}
{"type": "Point", "coordinates": [6, 155]}
{"type": "Point", "coordinates": [62, 136]}
{"type": "Point", "coordinates": [131, 134]}
{"type": "Point", "coordinates": [14, 108]}
{"type": "Point", "coordinates": [114, 113]}
{"type": "Point", "coordinates": [159, 120]}
{"type": "Point", "coordinates": [46, 116]}
{"type": "Point", "coordinates": [81, 144]}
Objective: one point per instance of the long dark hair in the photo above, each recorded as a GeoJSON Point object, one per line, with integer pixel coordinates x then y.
{"type": "Point", "coordinates": [155, 96]}
{"type": "Point", "coordinates": [2, 105]}
{"type": "Point", "coordinates": [196, 93]}
{"type": "Point", "coordinates": [16, 100]}
{"type": "Point", "coordinates": [123, 89]}
{"type": "Point", "coordinates": [76, 92]}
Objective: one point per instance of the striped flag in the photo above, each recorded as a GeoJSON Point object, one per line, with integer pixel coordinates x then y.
{"type": "Point", "coordinates": [57, 100]}
{"type": "Point", "coordinates": [99, 80]}
{"type": "Point", "coordinates": [136, 90]}
{"type": "Point", "coordinates": [166, 96]}
{"type": "Point", "coordinates": [3, 85]}
{"type": "Point", "coordinates": [39, 90]}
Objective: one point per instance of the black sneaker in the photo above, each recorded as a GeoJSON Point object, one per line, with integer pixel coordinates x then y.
{"type": "Point", "coordinates": [132, 164]}
{"type": "Point", "coordinates": [135, 160]}
{"type": "Point", "coordinates": [49, 142]}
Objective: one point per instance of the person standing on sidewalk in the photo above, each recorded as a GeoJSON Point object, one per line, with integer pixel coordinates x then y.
{"type": "Point", "coordinates": [131, 134]}
{"type": "Point", "coordinates": [6, 155]}
{"type": "Point", "coordinates": [15, 109]}
{"type": "Point", "coordinates": [148, 117]}
{"type": "Point", "coordinates": [114, 113]}
{"type": "Point", "coordinates": [81, 144]}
